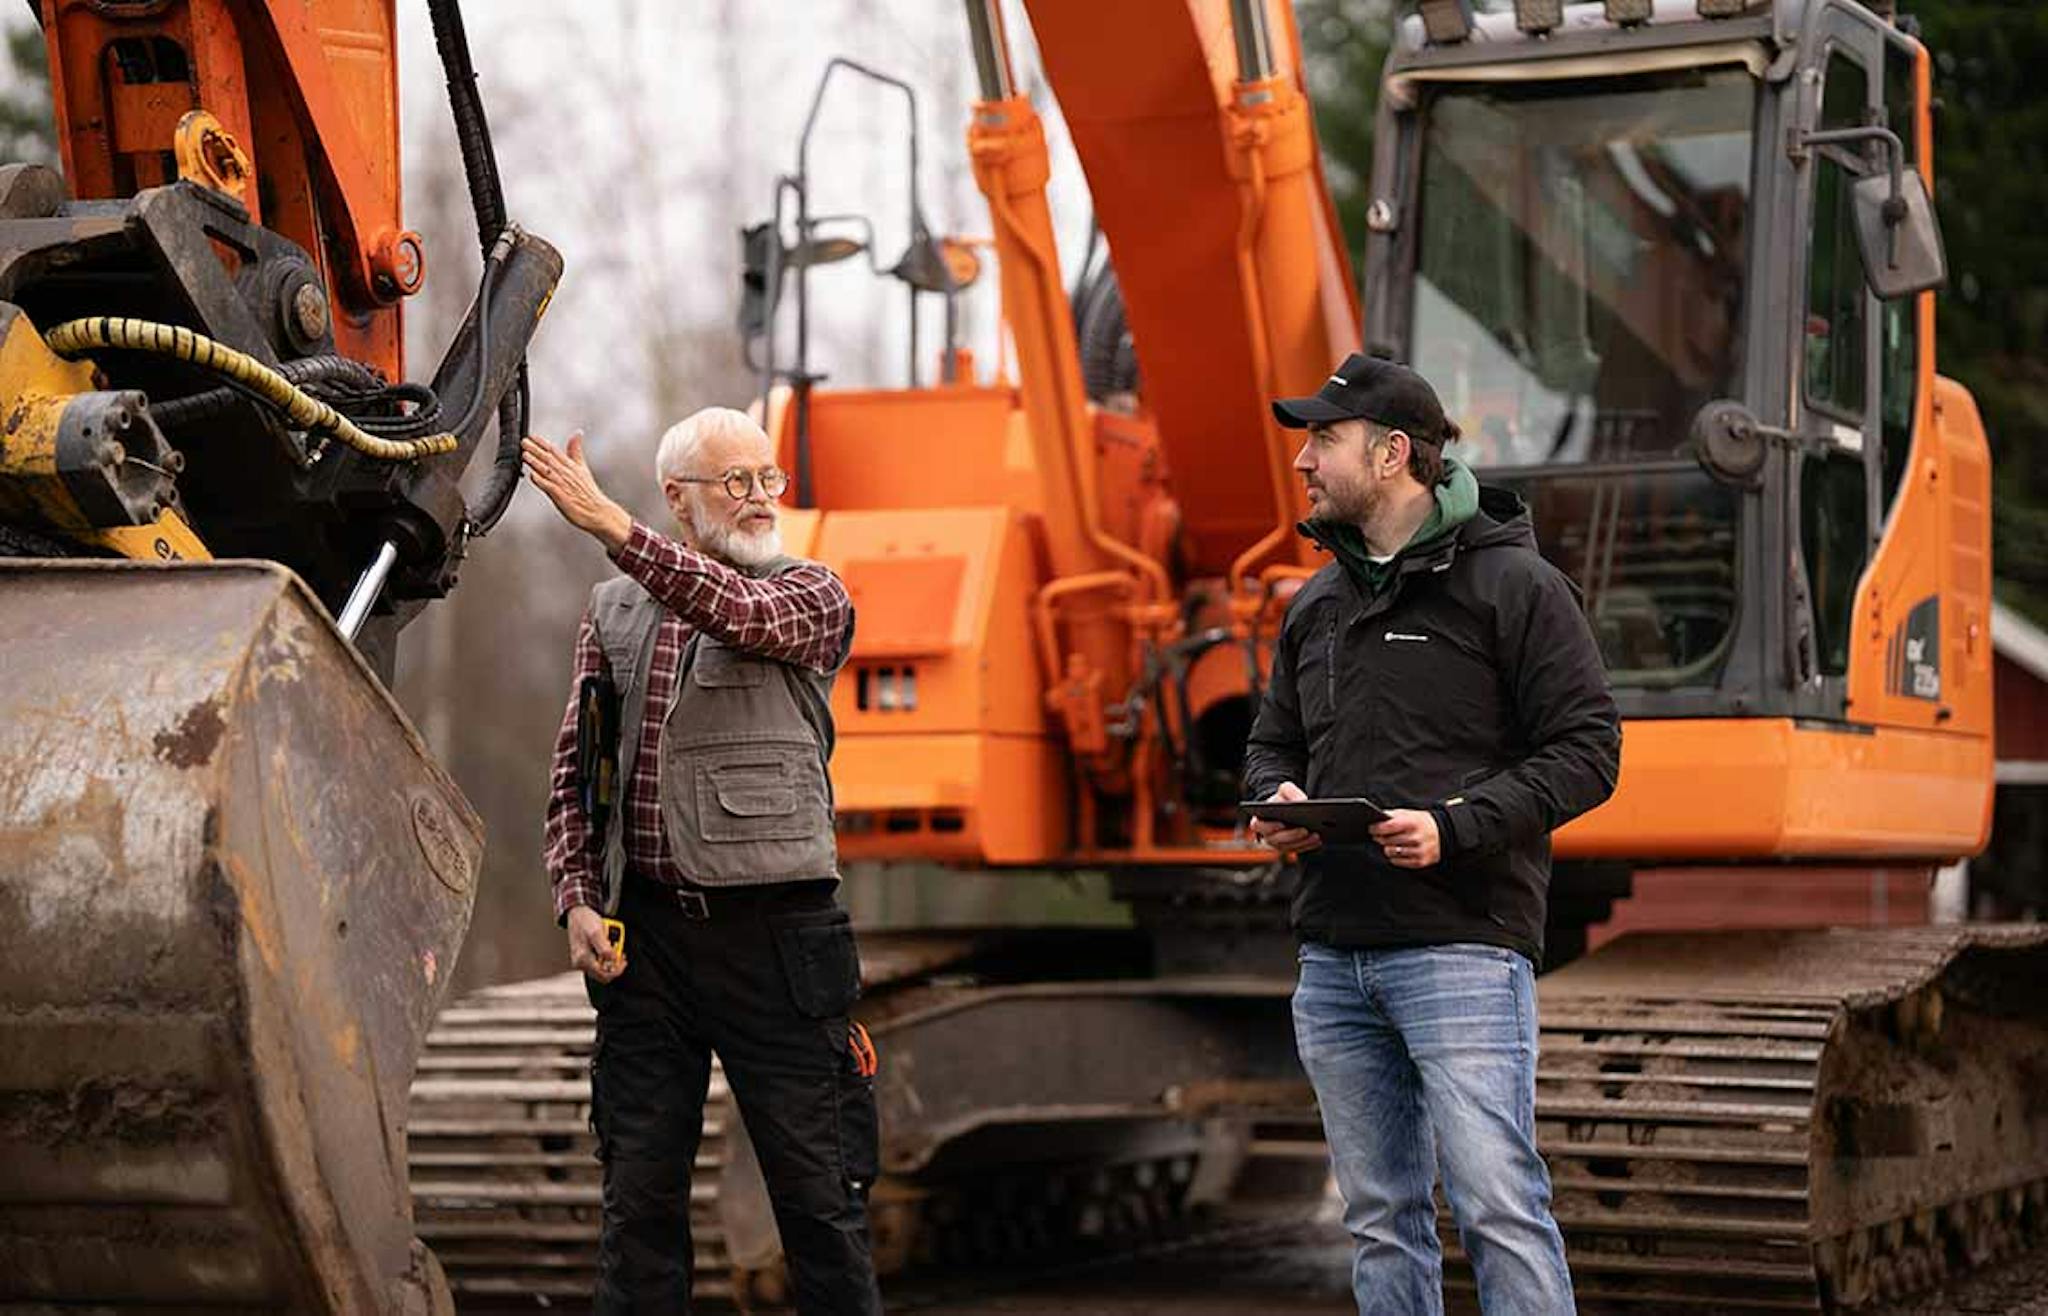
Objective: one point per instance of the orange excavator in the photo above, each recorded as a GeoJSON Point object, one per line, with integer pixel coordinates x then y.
{"type": "Point", "coordinates": [1672, 265]}
{"type": "Point", "coordinates": [234, 881]}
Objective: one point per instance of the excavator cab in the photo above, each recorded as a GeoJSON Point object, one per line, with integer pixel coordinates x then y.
{"type": "Point", "coordinates": [1655, 258]}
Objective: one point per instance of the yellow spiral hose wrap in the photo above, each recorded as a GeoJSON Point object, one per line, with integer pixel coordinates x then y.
{"type": "Point", "coordinates": [77, 337]}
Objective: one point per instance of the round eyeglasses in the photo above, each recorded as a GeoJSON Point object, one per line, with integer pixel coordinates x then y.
{"type": "Point", "coordinates": [739, 481]}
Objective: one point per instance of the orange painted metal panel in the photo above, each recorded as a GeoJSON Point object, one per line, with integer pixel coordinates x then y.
{"type": "Point", "coordinates": [1726, 789]}
{"type": "Point", "coordinates": [868, 775]}
{"type": "Point", "coordinates": [1937, 544]}
{"type": "Point", "coordinates": [945, 752]}
{"type": "Point", "coordinates": [311, 93]}
{"type": "Point", "coordinates": [800, 530]}
{"type": "Point", "coordinates": [978, 800]}
{"type": "Point", "coordinates": [950, 447]}
{"type": "Point", "coordinates": [146, 116]}
{"type": "Point", "coordinates": [341, 62]}
{"type": "Point", "coordinates": [984, 677]}
{"type": "Point", "coordinates": [904, 605]}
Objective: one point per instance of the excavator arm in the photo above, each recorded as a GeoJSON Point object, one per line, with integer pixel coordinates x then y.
{"type": "Point", "coordinates": [235, 881]}
{"type": "Point", "coordinates": [226, 246]}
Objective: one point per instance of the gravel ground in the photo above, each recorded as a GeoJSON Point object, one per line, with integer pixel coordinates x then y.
{"type": "Point", "coordinates": [1297, 1269]}
{"type": "Point", "coordinates": [2014, 1288]}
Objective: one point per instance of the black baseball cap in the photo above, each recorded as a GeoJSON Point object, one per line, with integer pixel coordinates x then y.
{"type": "Point", "coordinates": [1371, 388]}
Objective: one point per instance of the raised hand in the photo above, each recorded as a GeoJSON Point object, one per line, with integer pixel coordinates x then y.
{"type": "Point", "coordinates": [566, 479]}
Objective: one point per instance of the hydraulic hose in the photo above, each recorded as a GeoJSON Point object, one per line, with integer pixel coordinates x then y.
{"type": "Point", "coordinates": [77, 337]}
{"type": "Point", "coordinates": [472, 129]}
{"type": "Point", "coordinates": [487, 199]}
{"type": "Point", "coordinates": [329, 373]}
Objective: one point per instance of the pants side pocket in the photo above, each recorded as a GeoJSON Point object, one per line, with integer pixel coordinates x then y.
{"type": "Point", "coordinates": [859, 1130]}
{"type": "Point", "coordinates": [819, 960]}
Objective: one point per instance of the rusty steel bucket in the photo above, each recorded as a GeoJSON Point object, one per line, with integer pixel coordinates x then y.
{"type": "Point", "coordinates": [232, 888]}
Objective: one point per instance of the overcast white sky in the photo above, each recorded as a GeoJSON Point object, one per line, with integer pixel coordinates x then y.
{"type": "Point", "coordinates": [638, 135]}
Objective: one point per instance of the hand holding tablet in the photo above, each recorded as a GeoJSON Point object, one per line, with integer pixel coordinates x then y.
{"type": "Point", "coordinates": [1335, 821]}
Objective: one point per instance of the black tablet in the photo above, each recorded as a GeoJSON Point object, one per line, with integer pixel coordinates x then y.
{"type": "Point", "coordinates": [1338, 822]}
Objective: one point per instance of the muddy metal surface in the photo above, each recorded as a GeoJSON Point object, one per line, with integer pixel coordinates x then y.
{"type": "Point", "coordinates": [1301, 1267]}
{"type": "Point", "coordinates": [231, 880]}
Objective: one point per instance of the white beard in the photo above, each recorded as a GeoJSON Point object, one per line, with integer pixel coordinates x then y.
{"type": "Point", "coordinates": [742, 548]}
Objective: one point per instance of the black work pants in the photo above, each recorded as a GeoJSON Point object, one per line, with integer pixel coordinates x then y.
{"type": "Point", "coordinates": [765, 979]}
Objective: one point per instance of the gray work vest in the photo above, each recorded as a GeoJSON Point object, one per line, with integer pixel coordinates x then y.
{"type": "Point", "coordinates": [745, 798]}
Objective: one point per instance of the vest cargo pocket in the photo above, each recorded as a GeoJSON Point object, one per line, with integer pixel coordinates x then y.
{"type": "Point", "coordinates": [819, 961]}
{"type": "Point", "coordinates": [766, 791]}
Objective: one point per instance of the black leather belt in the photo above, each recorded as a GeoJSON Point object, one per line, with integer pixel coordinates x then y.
{"type": "Point", "coordinates": [699, 903]}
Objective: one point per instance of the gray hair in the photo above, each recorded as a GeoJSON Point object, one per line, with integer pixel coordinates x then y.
{"type": "Point", "coordinates": [684, 439]}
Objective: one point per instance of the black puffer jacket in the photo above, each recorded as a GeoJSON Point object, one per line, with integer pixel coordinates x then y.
{"type": "Point", "coordinates": [1470, 685]}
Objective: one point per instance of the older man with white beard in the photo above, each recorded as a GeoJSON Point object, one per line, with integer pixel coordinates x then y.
{"type": "Point", "coordinates": [720, 863]}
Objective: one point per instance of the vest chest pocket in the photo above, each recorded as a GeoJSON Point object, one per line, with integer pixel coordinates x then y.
{"type": "Point", "coordinates": [719, 665]}
{"type": "Point", "coordinates": [766, 790]}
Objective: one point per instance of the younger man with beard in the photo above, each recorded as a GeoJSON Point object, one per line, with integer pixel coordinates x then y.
{"type": "Point", "coordinates": [1443, 669]}
{"type": "Point", "coordinates": [721, 863]}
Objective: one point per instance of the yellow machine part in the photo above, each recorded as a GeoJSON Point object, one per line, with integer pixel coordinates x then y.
{"type": "Point", "coordinates": [37, 489]}
{"type": "Point", "coordinates": [39, 384]}
{"type": "Point", "coordinates": [233, 885]}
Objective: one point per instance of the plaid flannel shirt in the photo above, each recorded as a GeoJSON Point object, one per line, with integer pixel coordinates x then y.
{"type": "Point", "coordinates": [799, 616]}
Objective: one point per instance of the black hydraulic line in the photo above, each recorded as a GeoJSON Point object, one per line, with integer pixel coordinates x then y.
{"type": "Point", "coordinates": [487, 199]}
{"type": "Point", "coordinates": [472, 411]}
{"type": "Point", "coordinates": [481, 363]}
{"type": "Point", "coordinates": [513, 410]}
{"type": "Point", "coordinates": [424, 418]}
{"type": "Point", "coordinates": [472, 129]}
{"type": "Point", "coordinates": [312, 373]}
{"type": "Point", "coordinates": [503, 481]}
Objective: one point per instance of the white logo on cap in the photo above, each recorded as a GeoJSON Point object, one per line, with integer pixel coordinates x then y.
{"type": "Point", "coordinates": [1339, 379]}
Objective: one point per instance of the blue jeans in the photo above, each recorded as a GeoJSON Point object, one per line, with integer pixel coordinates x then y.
{"type": "Point", "coordinates": [1402, 1042]}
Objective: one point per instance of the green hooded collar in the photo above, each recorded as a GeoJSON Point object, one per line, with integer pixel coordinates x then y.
{"type": "Point", "coordinates": [1457, 501]}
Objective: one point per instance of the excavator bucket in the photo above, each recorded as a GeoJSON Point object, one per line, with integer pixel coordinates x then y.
{"type": "Point", "coordinates": [232, 887]}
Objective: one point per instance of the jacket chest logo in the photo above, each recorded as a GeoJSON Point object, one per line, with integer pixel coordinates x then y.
{"type": "Point", "coordinates": [1406, 637]}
